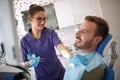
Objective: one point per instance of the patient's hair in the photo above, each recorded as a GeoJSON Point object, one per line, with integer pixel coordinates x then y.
{"type": "Point", "coordinates": [102, 25]}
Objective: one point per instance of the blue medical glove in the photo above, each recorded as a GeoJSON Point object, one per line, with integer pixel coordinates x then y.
{"type": "Point", "coordinates": [34, 61]}
{"type": "Point", "coordinates": [77, 60]}
{"type": "Point", "coordinates": [30, 55]}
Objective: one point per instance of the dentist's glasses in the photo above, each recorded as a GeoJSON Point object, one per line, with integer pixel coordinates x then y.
{"type": "Point", "coordinates": [39, 19]}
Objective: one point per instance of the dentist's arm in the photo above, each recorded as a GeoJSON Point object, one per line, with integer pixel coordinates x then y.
{"type": "Point", "coordinates": [64, 51]}
{"type": "Point", "coordinates": [67, 54]}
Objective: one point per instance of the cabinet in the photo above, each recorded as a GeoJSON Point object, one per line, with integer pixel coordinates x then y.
{"type": "Point", "coordinates": [72, 12]}
{"type": "Point", "coordinates": [64, 13]}
{"type": "Point", "coordinates": [82, 8]}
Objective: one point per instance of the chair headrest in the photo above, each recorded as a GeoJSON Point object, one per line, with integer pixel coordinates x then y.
{"type": "Point", "coordinates": [103, 44]}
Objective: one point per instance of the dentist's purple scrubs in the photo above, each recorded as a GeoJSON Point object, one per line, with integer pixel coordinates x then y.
{"type": "Point", "coordinates": [50, 68]}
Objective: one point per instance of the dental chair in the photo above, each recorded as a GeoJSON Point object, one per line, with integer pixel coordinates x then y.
{"type": "Point", "coordinates": [11, 72]}
{"type": "Point", "coordinates": [107, 49]}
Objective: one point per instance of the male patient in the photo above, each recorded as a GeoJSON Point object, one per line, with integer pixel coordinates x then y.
{"type": "Point", "coordinates": [87, 64]}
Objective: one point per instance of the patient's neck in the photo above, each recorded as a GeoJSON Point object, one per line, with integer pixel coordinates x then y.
{"type": "Point", "coordinates": [87, 50]}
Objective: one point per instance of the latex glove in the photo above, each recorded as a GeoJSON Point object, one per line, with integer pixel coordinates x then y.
{"type": "Point", "coordinates": [77, 60]}
{"type": "Point", "coordinates": [30, 55]}
{"type": "Point", "coordinates": [34, 61]}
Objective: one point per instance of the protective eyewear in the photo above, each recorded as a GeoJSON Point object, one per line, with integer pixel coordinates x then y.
{"type": "Point", "coordinates": [39, 19]}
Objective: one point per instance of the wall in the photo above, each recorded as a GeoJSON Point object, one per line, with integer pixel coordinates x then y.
{"type": "Point", "coordinates": [111, 12]}
{"type": "Point", "coordinates": [8, 33]}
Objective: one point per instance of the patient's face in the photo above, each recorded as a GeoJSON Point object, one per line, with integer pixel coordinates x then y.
{"type": "Point", "coordinates": [85, 35]}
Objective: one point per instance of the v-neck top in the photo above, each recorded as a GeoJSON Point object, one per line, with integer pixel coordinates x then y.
{"type": "Point", "coordinates": [50, 67]}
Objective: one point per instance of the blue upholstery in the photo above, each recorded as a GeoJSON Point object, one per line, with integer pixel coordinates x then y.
{"type": "Point", "coordinates": [109, 72]}
{"type": "Point", "coordinates": [103, 44]}
{"type": "Point", "coordinates": [10, 77]}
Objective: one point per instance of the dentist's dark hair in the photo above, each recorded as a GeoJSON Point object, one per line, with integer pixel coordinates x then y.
{"type": "Point", "coordinates": [35, 8]}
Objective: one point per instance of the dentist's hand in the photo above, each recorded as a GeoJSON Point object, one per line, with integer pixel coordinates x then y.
{"type": "Point", "coordinates": [30, 55]}
{"type": "Point", "coordinates": [34, 62]}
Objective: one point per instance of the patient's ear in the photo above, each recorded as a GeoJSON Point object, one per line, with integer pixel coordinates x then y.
{"type": "Point", "coordinates": [98, 39]}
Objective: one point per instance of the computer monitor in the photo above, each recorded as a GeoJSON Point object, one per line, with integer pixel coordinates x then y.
{"type": "Point", "coordinates": [8, 33]}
